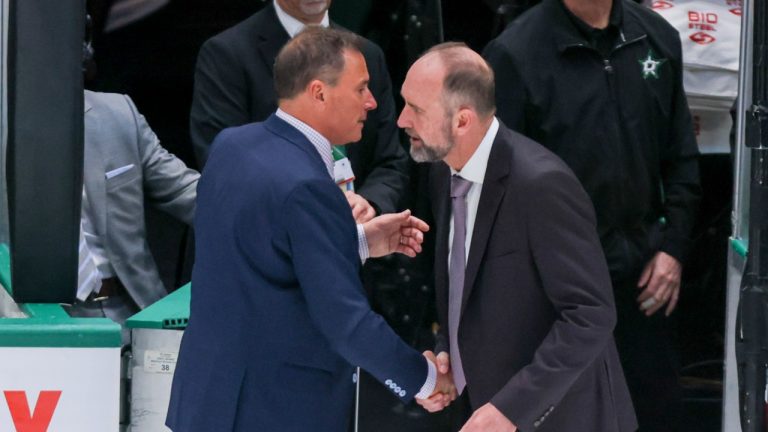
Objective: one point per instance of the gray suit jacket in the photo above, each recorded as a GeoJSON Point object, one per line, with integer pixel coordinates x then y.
{"type": "Point", "coordinates": [119, 141]}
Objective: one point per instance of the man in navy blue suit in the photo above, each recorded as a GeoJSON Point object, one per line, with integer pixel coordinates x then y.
{"type": "Point", "coordinates": [278, 315]}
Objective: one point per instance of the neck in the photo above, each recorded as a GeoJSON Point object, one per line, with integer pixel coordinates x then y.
{"type": "Point", "coordinates": [298, 109]}
{"type": "Point", "coordinates": [467, 145]}
{"type": "Point", "coordinates": [596, 13]}
{"type": "Point", "coordinates": [305, 19]}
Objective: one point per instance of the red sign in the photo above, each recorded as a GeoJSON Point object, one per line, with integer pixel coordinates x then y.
{"type": "Point", "coordinates": [702, 38]}
{"type": "Point", "coordinates": [23, 421]}
{"type": "Point", "coordinates": [735, 11]}
{"type": "Point", "coordinates": [661, 5]}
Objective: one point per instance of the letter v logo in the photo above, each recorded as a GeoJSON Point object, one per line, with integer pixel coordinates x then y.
{"type": "Point", "coordinates": [37, 422]}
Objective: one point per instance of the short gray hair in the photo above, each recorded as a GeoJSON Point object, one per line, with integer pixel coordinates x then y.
{"type": "Point", "coordinates": [466, 82]}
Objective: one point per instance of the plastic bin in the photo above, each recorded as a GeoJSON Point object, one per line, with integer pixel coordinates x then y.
{"type": "Point", "coordinates": [156, 336]}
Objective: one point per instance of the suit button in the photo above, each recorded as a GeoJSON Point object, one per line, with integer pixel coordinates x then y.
{"type": "Point", "coordinates": [354, 377]}
{"type": "Point", "coordinates": [536, 423]}
{"type": "Point", "coordinates": [402, 393]}
{"type": "Point", "coordinates": [388, 382]}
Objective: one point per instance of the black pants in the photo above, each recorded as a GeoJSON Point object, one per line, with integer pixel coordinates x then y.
{"type": "Point", "coordinates": [649, 359]}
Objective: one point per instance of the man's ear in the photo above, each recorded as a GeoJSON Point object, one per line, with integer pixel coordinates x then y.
{"type": "Point", "coordinates": [463, 120]}
{"type": "Point", "coordinates": [316, 90]}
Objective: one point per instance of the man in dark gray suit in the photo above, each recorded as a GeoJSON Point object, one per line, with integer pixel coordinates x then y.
{"type": "Point", "coordinates": [524, 300]}
{"type": "Point", "coordinates": [234, 86]}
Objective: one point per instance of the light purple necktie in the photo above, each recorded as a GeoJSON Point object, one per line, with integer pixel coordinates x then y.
{"type": "Point", "coordinates": [459, 189]}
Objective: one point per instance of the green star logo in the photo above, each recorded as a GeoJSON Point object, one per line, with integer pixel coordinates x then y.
{"type": "Point", "coordinates": [650, 65]}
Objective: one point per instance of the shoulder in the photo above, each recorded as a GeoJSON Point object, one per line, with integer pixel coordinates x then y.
{"type": "Point", "coordinates": [652, 22]}
{"type": "Point", "coordinates": [109, 106]}
{"type": "Point", "coordinates": [532, 25]}
{"type": "Point", "coordinates": [243, 33]}
{"type": "Point", "coordinates": [530, 161]}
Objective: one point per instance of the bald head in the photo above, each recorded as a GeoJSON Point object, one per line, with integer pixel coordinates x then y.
{"type": "Point", "coordinates": [467, 78]}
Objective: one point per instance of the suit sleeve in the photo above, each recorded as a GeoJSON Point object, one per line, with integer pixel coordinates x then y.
{"type": "Point", "coordinates": [569, 260]}
{"type": "Point", "coordinates": [323, 244]}
{"type": "Point", "coordinates": [387, 178]}
{"type": "Point", "coordinates": [219, 98]}
{"type": "Point", "coordinates": [680, 170]}
{"type": "Point", "coordinates": [168, 184]}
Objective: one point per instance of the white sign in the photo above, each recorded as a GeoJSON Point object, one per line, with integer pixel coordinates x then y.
{"type": "Point", "coordinates": [160, 362]}
{"type": "Point", "coordinates": [59, 389]}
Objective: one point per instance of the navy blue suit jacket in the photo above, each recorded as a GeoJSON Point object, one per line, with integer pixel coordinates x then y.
{"type": "Point", "coordinates": [278, 314]}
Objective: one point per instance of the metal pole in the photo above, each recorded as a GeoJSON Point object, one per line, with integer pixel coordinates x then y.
{"type": "Point", "coordinates": [753, 327]}
{"type": "Point", "coordinates": [357, 398]}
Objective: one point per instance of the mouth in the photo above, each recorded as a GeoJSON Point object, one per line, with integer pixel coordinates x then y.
{"type": "Point", "coordinates": [413, 138]}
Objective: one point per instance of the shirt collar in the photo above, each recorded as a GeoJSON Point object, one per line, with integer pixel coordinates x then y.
{"type": "Point", "coordinates": [474, 170]}
{"type": "Point", "coordinates": [319, 142]}
{"type": "Point", "coordinates": [293, 26]}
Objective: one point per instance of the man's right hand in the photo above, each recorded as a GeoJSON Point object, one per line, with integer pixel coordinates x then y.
{"type": "Point", "coordinates": [395, 232]}
{"type": "Point", "coordinates": [445, 390]}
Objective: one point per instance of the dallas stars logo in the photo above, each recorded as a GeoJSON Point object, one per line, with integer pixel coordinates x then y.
{"type": "Point", "coordinates": [651, 66]}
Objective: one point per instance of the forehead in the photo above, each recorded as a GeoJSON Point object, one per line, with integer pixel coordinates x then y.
{"type": "Point", "coordinates": [424, 81]}
{"type": "Point", "coordinates": [354, 66]}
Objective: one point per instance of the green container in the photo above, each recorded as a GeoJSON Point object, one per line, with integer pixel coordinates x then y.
{"type": "Point", "coordinates": [170, 312]}
{"type": "Point", "coordinates": [48, 325]}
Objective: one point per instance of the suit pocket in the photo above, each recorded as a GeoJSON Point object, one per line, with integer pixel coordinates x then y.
{"type": "Point", "coordinates": [121, 176]}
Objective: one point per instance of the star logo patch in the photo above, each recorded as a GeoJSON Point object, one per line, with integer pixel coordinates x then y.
{"type": "Point", "coordinates": [650, 65]}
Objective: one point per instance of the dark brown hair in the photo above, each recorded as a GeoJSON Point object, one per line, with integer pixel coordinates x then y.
{"type": "Point", "coordinates": [315, 53]}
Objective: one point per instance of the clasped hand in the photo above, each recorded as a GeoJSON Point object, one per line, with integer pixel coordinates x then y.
{"type": "Point", "coordinates": [445, 390]}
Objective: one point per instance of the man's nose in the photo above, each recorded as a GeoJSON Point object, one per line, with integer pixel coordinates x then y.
{"type": "Point", "coordinates": [370, 103]}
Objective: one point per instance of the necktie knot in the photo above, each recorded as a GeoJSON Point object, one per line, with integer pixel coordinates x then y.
{"type": "Point", "coordinates": [459, 186]}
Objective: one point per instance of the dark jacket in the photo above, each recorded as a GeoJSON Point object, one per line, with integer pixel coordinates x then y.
{"type": "Point", "coordinates": [537, 316]}
{"type": "Point", "coordinates": [626, 134]}
{"type": "Point", "coordinates": [234, 86]}
{"type": "Point", "coordinates": [278, 315]}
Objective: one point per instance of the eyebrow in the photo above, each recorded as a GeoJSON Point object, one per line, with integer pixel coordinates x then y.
{"type": "Point", "coordinates": [413, 105]}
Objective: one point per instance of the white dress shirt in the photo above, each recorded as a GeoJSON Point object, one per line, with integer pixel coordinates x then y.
{"type": "Point", "coordinates": [291, 24]}
{"type": "Point", "coordinates": [474, 171]}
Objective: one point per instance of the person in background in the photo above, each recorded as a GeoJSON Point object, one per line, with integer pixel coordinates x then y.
{"type": "Point", "coordinates": [124, 169]}
{"type": "Point", "coordinates": [234, 86]}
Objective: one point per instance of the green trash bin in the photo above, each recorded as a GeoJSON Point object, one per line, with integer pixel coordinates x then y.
{"type": "Point", "coordinates": [155, 339]}
{"type": "Point", "coordinates": [56, 373]}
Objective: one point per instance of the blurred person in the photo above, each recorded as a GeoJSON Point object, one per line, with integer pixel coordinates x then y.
{"type": "Point", "coordinates": [234, 86]}
{"type": "Point", "coordinates": [524, 298]}
{"type": "Point", "coordinates": [599, 82]}
{"type": "Point", "coordinates": [278, 314]}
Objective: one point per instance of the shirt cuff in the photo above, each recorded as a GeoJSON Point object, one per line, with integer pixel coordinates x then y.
{"type": "Point", "coordinates": [429, 386]}
{"type": "Point", "coordinates": [362, 244]}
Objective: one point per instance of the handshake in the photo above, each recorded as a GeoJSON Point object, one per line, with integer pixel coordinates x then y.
{"type": "Point", "coordinates": [445, 390]}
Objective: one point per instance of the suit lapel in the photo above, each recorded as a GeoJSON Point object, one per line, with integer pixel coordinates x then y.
{"type": "Point", "coordinates": [441, 208]}
{"type": "Point", "coordinates": [93, 170]}
{"type": "Point", "coordinates": [272, 37]}
{"type": "Point", "coordinates": [490, 198]}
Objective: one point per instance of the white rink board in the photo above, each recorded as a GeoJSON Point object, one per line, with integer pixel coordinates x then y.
{"type": "Point", "coordinates": [88, 379]}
